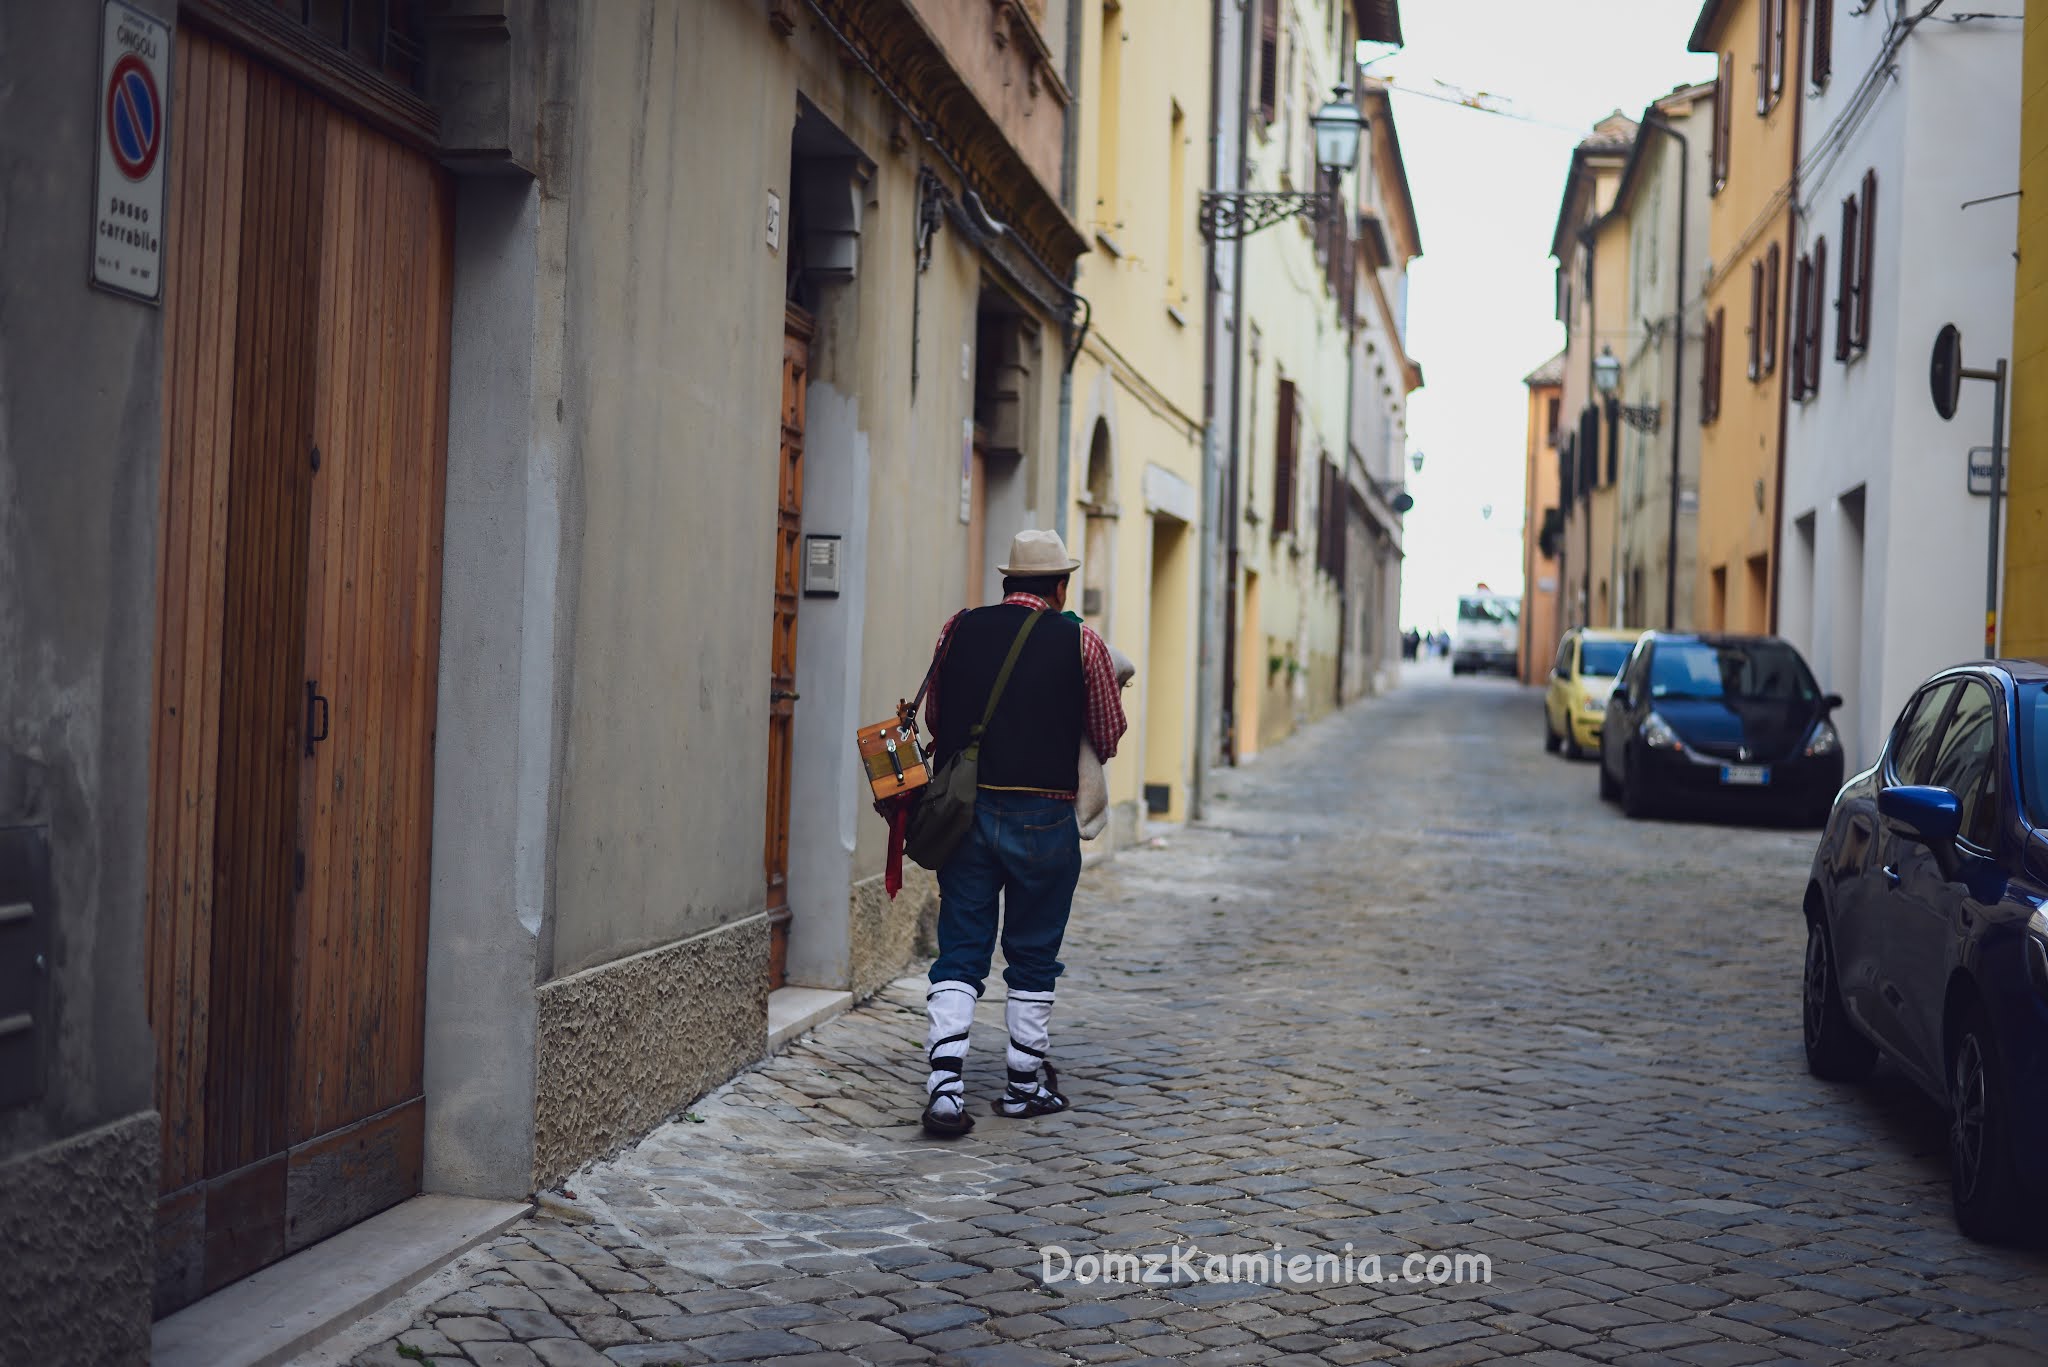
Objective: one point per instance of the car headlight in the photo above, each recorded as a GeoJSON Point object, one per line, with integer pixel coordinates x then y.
{"type": "Point", "coordinates": [1596, 706]}
{"type": "Point", "coordinates": [1823, 739]}
{"type": "Point", "coordinates": [1658, 735]}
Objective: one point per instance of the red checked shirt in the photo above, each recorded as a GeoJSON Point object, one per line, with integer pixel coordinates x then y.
{"type": "Point", "coordinates": [1103, 719]}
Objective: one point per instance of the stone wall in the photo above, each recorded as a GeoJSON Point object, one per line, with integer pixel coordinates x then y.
{"type": "Point", "coordinates": [624, 1046]}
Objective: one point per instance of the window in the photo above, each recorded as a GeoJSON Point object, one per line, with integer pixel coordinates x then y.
{"type": "Point", "coordinates": [1912, 750]}
{"type": "Point", "coordinates": [1823, 12]}
{"type": "Point", "coordinates": [1852, 300]}
{"type": "Point", "coordinates": [1562, 666]}
{"type": "Point", "coordinates": [1802, 280]}
{"type": "Point", "coordinates": [1809, 295]}
{"type": "Point", "coordinates": [1330, 526]}
{"type": "Point", "coordinates": [1176, 193]}
{"type": "Point", "coordinates": [1286, 436]}
{"type": "Point", "coordinates": [1710, 367]}
{"type": "Point", "coordinates": [2033, 710]}
{"type": "Point", "coordinates": [1269, 58]}
{"type": "Point", "coordinates": [1604, 659]}
{"type": "Point", "coordinates": [1550, 421]}
{"type": "Point", "coordinates": [1756, 321]}
{"type": "Point", "coordinates": [1108, 130]}
{"type": "Point", "coordinates": [1589, 451]}
{"type": "Point", "coordinates": [1567, 459]}
{"type": "Point", "coordinates": [1771, 289]}
{"type": "Point", "coordinates": [1724, 107]}
{"type": "Point", "coordinates": [1735, 670]}
{"type": "Point", "coordinates": [1965, 764]}
{"type": "Point", "coordinates": [1816, 311]}
{"type": "Point", "coordinates": [1775, 48]}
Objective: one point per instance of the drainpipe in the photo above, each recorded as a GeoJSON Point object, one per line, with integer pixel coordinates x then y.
{"type": "Point", "coordinates": [1206, 667]}
{"type": "Point", "coordinates": [1066, 418]}
{"type": "Point", "coordinates": [1785, 390]}
{"type": "Point", "coordinates": [1677, 374]}
{"type": "Point", "coordinates": [1232, 511]}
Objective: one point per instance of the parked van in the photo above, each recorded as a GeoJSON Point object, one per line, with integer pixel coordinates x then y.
{"type": "Point", "coordinates": [1488, 634]}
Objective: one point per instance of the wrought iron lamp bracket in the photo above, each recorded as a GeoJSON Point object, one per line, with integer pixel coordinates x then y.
{"type": "Point", "coordinates": [1646, 417]}
{"type": "Point", "coordinates": [1231, 215]}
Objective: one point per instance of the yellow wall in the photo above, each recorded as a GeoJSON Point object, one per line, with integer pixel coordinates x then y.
{"type": "Point", "coordinates": [1740, 448]}
{"type": "Point", "coordinates": [1539, 608]}
{"type": "Point", "coordinates": [2025, 629]}
{"type": "Point", "coordinates": [1612, 317]}
{"type": "Point", "coordinates": [1144, 109]}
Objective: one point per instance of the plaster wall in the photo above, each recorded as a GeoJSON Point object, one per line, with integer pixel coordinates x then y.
{"type": "Point", "coordinates": [1872, 426]}
{"type": "Point", "coordinates": [1739, 450]}
{"type": "Point", "coordinates": [2024, 613]}
{"type": "Point", "coordinates": [1540, 622]}
{"type": "Point", "coordinates": [80, 449]}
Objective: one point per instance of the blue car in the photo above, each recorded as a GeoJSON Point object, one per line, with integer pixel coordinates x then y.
{"type": "Point", "coordinates": [1925, 935]}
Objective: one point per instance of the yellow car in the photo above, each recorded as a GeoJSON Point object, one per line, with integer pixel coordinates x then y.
{"type": "Point", "coordinates": [1575, 704]}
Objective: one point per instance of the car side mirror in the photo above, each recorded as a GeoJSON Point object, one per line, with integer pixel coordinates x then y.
{"type": "Point", "coordinates": [1618, 697]}
{"type": "Point", "coordinates": [1932, 816]}
{"type": "Point", "coordinates": [1831, 702]}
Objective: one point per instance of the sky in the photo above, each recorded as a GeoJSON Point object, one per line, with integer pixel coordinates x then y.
{"type": "Point", "coordinates": [1481, 311]}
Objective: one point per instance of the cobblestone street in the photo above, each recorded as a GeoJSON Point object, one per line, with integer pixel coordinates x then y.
{"type": "Point", "coordinates": [1409, 986]}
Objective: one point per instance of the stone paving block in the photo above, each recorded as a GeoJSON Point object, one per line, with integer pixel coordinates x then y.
{"type": "Point", "coordinates": [471, 1329]}
{"type": "Point", "coordinates": [501, 1355]}
{"type": "Point", "coordinates": [605, 1331]}
{"type": "Point", "coordinates": [568, 1352]}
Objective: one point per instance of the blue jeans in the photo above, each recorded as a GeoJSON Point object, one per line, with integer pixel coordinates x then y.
{"type": "Point", "coordinates": [1028, 850]}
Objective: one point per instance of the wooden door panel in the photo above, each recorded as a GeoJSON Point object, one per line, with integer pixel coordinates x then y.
{"type": "Point", "coordinates": [789, 517]}
{"type": "Point", "coordinates": [201, 304]}
{"type": "Point", "coordinates": [375, 587]}
{"type": "Point", "coordinates": [269, 473]}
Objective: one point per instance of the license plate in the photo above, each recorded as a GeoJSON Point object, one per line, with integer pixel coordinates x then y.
{"type": "Point", "coordinates": [1752, 774]}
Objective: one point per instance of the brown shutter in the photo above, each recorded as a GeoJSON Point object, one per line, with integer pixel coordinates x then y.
{"type": "Point", "coordinates": [1795, 332]}
{"type": "Point", "coordinates": [1823, 40]}
{"type": "Point", "coordinates": [1724, 127]}
{"type": "Point", "coordinates": [1285, 437]}
{"type": "Point", "coordinates": [1756, 319]}
{"type": "Point", "coordinates": [1720, 355]}
{"type": "Point", "coordinates": [1845, 293]}
{"type": "Point", "coordinates": [1772, 280]}
{"type": "Point", "coordinates": [1816, 321]}
{"type": "Point", "coordinates": [1269, 58]}
{"type": "Point", "coordinates": [1777, 8]}
{"type": "Point", "coordinates": [1864, 257]}
{"type": "Point", "coordinates": [1763, 56]}
{"type": "Point", "coordinates": [1707, 373]}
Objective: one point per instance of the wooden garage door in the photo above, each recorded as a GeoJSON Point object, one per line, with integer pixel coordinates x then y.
{"type": "Point", "coordinates": [306, 325]}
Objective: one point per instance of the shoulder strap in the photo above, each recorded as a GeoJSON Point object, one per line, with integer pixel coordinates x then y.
{"type": "Point", "coordinates": [995, 695]}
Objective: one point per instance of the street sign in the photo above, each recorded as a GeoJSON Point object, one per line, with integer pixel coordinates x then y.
{"type": "Point", "coordinates": [1980, 471]}
{"type": "Point", "coordinates": [134, 109]}
{"type": "Point", "coordinates": [1945, 370]}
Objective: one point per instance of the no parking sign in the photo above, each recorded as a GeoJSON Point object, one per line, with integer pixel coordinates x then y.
{"type": "Point", "coordinates": [128, 187]}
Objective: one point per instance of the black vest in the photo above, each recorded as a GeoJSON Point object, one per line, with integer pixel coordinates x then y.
{"type": "Point", "coordinates": [1034, 739]}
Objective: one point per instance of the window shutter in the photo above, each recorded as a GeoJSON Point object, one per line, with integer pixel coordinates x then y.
{"type": "Point", "coordinates": [1269, 58]}
{"type": "Point", "coordinates": [1796, 335]}
{"type": "Point", "coordinates": [1823, 40]}
{"type": "Point", "coordinates": [1864, 257]}
{"type": "Point", "coordinates": [1589, 449]}
{"type": "Point", "coordinates": [1284, 439]}
{"type": "Point", "coordinates": [1845, 293]}
{"type": "Point", "coordinates": [1726, 128]}
{"type": "Point", "coordinates": [1777, 8]}
{"type": "Point", "coordinates": [1720, 355]}
{"type": "Point", "coordinates": [1756, 319]}
{"type": "Point", "coordinates": [1763, 56]}
{"type": "Point", "coordinates": [1564, 470]}
{"type": "Point", "coordinates": [1772, 280]}
{"type": "Point", "coordinates": [1707, 373]}
{"type": "Point", "coordinates": [1817, 315]}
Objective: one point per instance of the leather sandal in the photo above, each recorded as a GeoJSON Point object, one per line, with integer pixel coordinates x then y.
{"type": "Point", "coordinates": [1045, 1099]}
{"type": "Point", "coordinates": [948, 1124]}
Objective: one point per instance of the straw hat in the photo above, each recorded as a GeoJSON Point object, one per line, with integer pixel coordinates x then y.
{"type": "Point", "coordinates": [1034, 554]}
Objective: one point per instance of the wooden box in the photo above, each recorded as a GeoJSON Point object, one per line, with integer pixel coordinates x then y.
{"type": "Point", "coordinates": [893, 757]}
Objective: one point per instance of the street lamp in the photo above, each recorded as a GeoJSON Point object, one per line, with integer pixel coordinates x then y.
{"type": "Point", "coordinates": [1416, 461]}
{"type": "Point", "coordinates": [1231, 215]}
{"type": "Point", "coordinates": [1607, 379]}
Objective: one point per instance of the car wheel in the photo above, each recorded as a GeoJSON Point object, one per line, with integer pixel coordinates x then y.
{"type": "Point", "coordinates": [1635, 803]}
{"type": "Point", "coordinates": [1550, 740]}
{"type": "Point", "coordinates": [1835, 1049]}
{"type": "Point", "coordinates": [1983, 1176]}
{"type": "Point", "coordinates": [1572, 749]}
{"type": "Point", "coordinates": [1610, 791]}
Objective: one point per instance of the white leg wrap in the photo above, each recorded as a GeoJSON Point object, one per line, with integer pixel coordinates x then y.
{"type": "Point", "coordinates": [1029, 1018]}
{"type": "Point", "coordinates": [951, 1008]}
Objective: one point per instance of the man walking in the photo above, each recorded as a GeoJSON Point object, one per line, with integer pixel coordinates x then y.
{"type": "Point", "coordinates": [1024, 846]}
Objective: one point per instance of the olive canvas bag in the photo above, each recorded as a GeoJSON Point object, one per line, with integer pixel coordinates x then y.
{"type": "Point", "coordinates": [945, 807]}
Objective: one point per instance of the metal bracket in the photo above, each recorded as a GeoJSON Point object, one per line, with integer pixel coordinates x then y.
{"type": "Point", "coordinates": [1646, 417]}
{"type": "Point", "coordinates": [1231, 215]}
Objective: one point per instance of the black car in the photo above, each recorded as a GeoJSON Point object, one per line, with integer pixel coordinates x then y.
{"type": "Point", "coordinates": [1731, 723]}
{"type": "Point", "coordinates": [1925, 936]}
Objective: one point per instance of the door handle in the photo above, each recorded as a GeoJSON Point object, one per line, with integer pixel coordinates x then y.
{"type": "Point", "coordinates": [1891, 875]}
{"type": "Point", "coordinates": [315, 706]}
{"type": "Point", "coordinates": [783, 695]}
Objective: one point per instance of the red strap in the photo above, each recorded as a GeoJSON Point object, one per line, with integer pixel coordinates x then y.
{"type": "Point", "coordinates": [892, 874]}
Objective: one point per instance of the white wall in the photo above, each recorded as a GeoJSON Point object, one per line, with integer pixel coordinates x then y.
{"type": "Point", "coordinates": [1944, 131]}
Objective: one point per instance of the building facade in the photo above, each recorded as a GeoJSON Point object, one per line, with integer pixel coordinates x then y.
{"type": "Point", "coordinates": [1135, 495]}
{"type": "Point", "coordinates": [1756, 44]}
{"type": "Point", "coordinates": [1590, 245]}
{"type": "Point", "coordinates": [1663, 196]}
{"type": "Point", "coordinates": [1286, 419]}
{"type": "Point", "coordinates": [1884, 541]}
{"type": "Point", "coordinates": [389, 749]}
{"type": "Point", "coordinates": [2023, 614]}
{"type": "Point", "coordinates": [1542, 522]}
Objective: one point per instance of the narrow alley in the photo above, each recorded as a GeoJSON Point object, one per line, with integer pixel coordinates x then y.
{"type": "Point", "coordinates": [1410, 987]}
